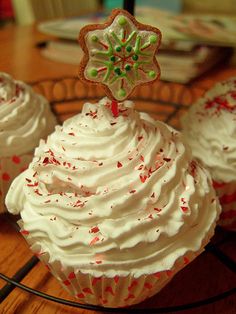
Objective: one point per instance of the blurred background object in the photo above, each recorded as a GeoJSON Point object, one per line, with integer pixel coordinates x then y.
{"type": "Point", "coordinates": [30, 11]}
{"type": "Point", "coordinates": [210, 6]}
{"type": "Point", "coordinates": [196, 35]}
{"type": "Point", "coordinates": [170, 5]}
{"type": "Point", "coordinates": [6, 12]}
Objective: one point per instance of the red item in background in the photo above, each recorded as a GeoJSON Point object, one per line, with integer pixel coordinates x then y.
{"type": "Point", "coordinates": [6, 10]}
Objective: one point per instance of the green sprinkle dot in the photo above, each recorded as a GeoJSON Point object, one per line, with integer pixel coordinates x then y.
{"type": "Point", "coordinates": [152, 74]}
{"type": "Point", "coordinates": [118, 48]}
{"type": "Point", "coordinates": [136, 65]}
{"type": "Point", "coordinates": [117, 71]}
{"type": "Point", "coordinates": [127, 67]}
{"type": "Point", "coordinates": [153, 39]}
{"type": "Point", "coordinates": [128, 48]}
{"type": "Point", "coordinates": [93, 72]}
{"type": "Point", "coordinates": [122, 20]}
{"type": "Point", "coordinates": [94, 38]}
{"type": "Point", "coordinates": [135, 57]}
{"type": "Point", "coordinates": [113, 58]}
{"type": "Point", "coordinates": [121, 92]}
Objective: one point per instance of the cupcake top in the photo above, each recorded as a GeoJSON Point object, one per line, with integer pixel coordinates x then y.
{"type": "Point", "coordinates": [25, 117]}
{"type": "Point", "coordinates": [114, 195]}
{"type": "Point", "coordinates": [210, 128]}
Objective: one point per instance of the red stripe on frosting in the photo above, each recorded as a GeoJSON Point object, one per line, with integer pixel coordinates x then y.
{"type": "Point", "coordinates": [228, 214]}
{"type": "Point", "coordinates": [226, 199]}
{"type": "Point", "coordinates": [231, 226]}
{"type": "Point", "coordinates": [218, 185]}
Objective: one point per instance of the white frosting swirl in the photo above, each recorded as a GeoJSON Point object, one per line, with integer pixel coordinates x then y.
{"type": "Point", "coordinates": [115, 195]}
{"type": "Point", "coordinates": [25, 117]}
{"type": "Point", "coordinates": [210, 127]}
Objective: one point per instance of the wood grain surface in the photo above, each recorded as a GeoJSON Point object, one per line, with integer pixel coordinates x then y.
{"type": "Point", "coordinates": [204, 277]}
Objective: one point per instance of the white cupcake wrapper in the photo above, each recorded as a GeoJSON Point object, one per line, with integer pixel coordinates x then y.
{"type": "Point", "coordinates": [11, 167]}
{"type": "Point", "coordinates": [117, 291]}
{"type": "Point", "coordinates": [227, 196]}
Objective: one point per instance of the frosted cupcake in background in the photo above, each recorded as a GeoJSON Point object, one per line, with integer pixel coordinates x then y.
{"type": "Point", "coordinates": [114, 206]}
{"type": "Point", "coordinates": [25, 118]}
{"type": "Point", "coordinates": [209, 128]}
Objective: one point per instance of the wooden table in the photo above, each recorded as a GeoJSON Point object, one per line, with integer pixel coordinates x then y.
{"type": "Point", "coordinates": [204, 277]}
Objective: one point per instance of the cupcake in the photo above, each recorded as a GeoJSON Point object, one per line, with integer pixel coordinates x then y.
{"type": "Point", "coordinates": [25, 118]}
{"type": "Point", "coordinates": [114, 206]}
{"type": "Point", "coordinates": [209, 127]}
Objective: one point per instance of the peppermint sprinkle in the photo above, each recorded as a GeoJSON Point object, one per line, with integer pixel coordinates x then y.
{"type": "Point", "coordinates": [143, 178]}
{"type": "Point", "coordinates": [94, 240]}
{"type": "Point", "coordinates": [119, 164]}
{"type": "Point", "coordinates": [184, 209]}
{"type": "Point", "coordinates": [167, 159]}
{"type": "Point", "coordinates": [94, 230]}
{"type": "Point", "coordinates": [24, 232]}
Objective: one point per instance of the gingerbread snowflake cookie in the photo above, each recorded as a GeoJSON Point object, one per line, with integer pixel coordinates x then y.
{"type": "Point", "coordinates": [120, 54]}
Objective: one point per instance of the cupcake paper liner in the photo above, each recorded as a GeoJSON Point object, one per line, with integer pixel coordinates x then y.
{"type": "Point", "coordinates": [227, 197]}
{"type": "Point", "coordinates": [11, 167]}
{"type": "Point", "coordinates": [117, 291]}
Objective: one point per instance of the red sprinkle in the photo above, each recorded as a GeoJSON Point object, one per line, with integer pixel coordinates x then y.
{"type": "Point", "coordinates": [119, 164]}
{"type": "Point", "coordinates": [142, 158]}
{"type": "Point", "coordinates": [24, 232]}
{"type": "Point", "coordinates": [33, 184]}
{"type": "Point", "coordinates": [94, 240]}
{"type": "Point", "coordinates": [66, 282]}
{"type": "Point", "coordinates": [143, 178]}
{"type": "Point", "coordinates": [94, 230]}
{"type": "Point", "coordinates": [16, 159]}
{"type": "Point", "coordinates": [98, 262]}
{"type": "Point", "coordinates": [37, 192]}
{"type": "Point", "coordinates": [167, 159]}
{"type": "Point", "coordinates": [5, 176]}
{"type": "Point", "coordinates": [71, 275]}
{"type": "Point", "coordinates": [184, 209]}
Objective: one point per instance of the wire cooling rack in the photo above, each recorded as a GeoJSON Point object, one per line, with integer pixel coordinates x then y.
{"type": "Point", "coordinates": [165, 101]}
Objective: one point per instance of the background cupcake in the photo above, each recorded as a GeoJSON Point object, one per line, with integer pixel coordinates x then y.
{"type": "Point", "coordinates": [25, 118]}
{"type": "Point", "coordinates": [114, 206]}
{"type": "Point", "coordinates": [209, 128]}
